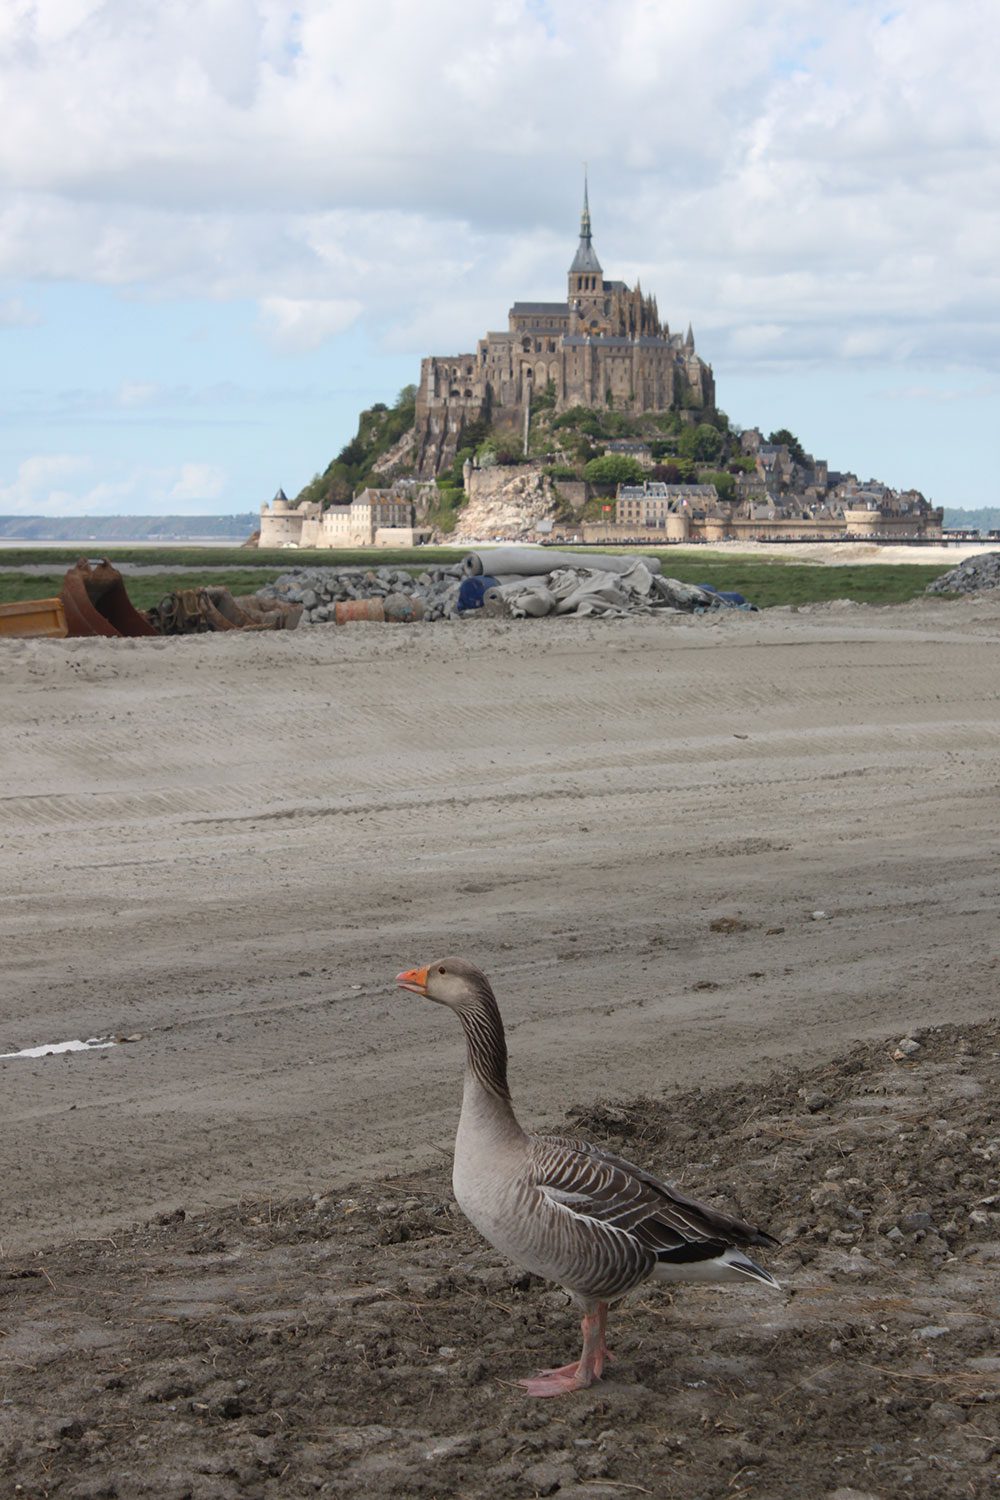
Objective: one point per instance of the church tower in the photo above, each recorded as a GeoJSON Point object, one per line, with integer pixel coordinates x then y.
{"type": "Point", "coordinates": [586, 279]}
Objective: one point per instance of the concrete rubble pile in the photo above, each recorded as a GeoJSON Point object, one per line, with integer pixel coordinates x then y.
{"type": "Point", "coordinates": [511, 583]}
{"type": "Point", "coordinates": [320, 590]}
{"type": "Point", "coordinates": [970, 577]}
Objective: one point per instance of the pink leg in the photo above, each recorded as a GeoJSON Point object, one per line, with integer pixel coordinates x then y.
{"type": "Point", "coordinates": [588, 1368]}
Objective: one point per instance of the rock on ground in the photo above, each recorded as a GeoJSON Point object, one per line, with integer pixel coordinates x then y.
{"type": "Point", "coordinates": [970, 577]}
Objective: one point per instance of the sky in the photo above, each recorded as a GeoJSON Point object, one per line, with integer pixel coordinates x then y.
{"type": "Point", "coordinates": [226, 226]}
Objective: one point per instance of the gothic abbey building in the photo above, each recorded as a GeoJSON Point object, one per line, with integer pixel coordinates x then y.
{"type": "Point", "coordinates": [605, 346]}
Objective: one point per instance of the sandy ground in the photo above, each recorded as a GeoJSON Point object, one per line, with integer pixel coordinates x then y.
{"type": "Point", "coordinates": [229, 845]}
{"type": "Point", "coordinates": [692, 854]}
{"type": "Point", "coordinates": [843, 554]}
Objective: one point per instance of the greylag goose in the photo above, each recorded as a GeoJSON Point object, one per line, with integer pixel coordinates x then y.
{"type": "Point", "coordinates": [564, 1209]}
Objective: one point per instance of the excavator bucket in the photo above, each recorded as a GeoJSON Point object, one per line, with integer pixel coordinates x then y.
{"type": "Point", "coordinates": [95, 602]}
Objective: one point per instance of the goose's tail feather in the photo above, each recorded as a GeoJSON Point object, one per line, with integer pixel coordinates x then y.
{"type": "Point", "coordinates": [706, 1262]}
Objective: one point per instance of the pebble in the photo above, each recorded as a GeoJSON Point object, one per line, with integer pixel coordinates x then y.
{"type": "Point", "coordinates": [907, 1047]}
{"type": "Point", "coordinates": [931, 1331]}
{"type": "Point", "coordinates": [458, 1446]}
{"type": "Point", "coordinates": [546, 1477]}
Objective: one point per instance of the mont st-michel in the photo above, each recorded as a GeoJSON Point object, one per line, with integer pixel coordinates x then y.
{"type": "Point", "coordinates": [586, 417]}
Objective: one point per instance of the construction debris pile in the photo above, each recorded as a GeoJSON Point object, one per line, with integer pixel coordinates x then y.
{"type": "Point", "coordinates": [511, 582]}
{"type": "Point", "coordinates": [970, 577]}
{"type": "Point", "coordinates": [327, 594]}
{"type": "Point", "coordinates": [198, 610]}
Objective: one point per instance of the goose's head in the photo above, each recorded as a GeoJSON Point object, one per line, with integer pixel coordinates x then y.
{"type": "Point", "coordinates": [449, 981]}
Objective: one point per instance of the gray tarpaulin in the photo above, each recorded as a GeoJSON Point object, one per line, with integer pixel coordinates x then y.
{"type": "Point", "coordinates": [597, 591]}
{"type": "Point", "coordinates": [533, 562]}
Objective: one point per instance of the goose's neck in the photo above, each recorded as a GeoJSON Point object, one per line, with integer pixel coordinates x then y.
{"type": "Point", "coordinates": [485, 1091]}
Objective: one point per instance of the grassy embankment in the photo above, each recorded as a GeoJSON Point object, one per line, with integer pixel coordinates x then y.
{"type": "Point", "coordinates": [766, 581]}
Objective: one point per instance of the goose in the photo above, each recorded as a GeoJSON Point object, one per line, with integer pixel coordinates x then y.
{"type": "Point", "coordinates": [564, 1209]}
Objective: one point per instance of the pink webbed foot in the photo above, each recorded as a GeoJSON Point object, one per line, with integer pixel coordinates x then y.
{"type": "Point", "coordinates": [558, 1382]}
{"type": "Point", "coordinates": [588, 1368]}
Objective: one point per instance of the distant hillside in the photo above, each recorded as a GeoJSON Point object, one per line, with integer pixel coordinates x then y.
{"type": "Point", "coordinates": [127, 528]}
{"type": "Point", "coordinates": [987, 518]}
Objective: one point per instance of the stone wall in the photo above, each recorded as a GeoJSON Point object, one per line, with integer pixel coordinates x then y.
{"type": "Point", "coordinates": [573, 491]}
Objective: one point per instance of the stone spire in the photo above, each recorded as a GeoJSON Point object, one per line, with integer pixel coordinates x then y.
{"type": "Point", "coordinates": [689, 339]}
{"type": "Point", "coordinates": [586, 257]}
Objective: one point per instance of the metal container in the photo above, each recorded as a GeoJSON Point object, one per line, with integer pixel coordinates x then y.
{"type": "Point", "coordinates": [403, 609]}
{"type": "Point", "coordinates": [33, 617]}
{"type": "Point", "coordinates": [352, 610]}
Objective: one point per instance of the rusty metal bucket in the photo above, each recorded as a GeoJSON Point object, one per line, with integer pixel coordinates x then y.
{"type": "Point", "coordinates": [95, 602]}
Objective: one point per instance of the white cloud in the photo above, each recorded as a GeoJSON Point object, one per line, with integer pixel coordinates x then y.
{"type": "Point", "coordinates": [824, 170]}
{"type": "Point", "coordinates": [296, 325]}
{"type": "Point", "coordinates": [40, 484]}
{"type": "Point", "coordinates": [133, 393]}
{"type": "Point", "coordinates": [200, 482]}
{"type": "Point", "coordinates": [56, 484]}
{"type": "Point", "coordinates": [15, 314]}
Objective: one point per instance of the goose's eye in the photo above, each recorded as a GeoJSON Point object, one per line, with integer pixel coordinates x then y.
{"type": "Point", "coordinates": [441, 969]}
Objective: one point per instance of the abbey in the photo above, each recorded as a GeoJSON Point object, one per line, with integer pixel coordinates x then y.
{"type": "Point", "coordinates": [605, 346]}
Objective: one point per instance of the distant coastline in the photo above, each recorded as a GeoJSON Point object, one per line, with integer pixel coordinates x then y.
{"type": "Point", "coordinates": [110, 531]}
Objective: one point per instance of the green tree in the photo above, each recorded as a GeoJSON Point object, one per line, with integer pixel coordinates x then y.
{"type": "Point", "coordinates": [545, 399]}
{"type": "Point", "coordinates": [614, 468]}
{"type": "Point", "coordinates": [790, 441]}
{"type": "Point", "coordinates": [580, 419]}
{"type": "Point", "coordinates": [708, 442]}
{"type": "Point", "coordinates": [724, 483]}
{"type": "Point", "coordinates": [703, 443]}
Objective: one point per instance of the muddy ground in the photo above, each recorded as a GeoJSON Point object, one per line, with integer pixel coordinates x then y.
{"type": "Point", "coordinates": [228, 847]}
{"type": "Point", "coordinates": [366, 1342]}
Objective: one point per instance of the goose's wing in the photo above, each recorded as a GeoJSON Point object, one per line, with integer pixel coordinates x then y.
{"type": "Point", "coordinates": [593, 1184]}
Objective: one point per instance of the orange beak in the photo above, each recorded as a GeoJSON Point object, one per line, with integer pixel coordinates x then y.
{"type": "Point", "coordinates": [413, 979]}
